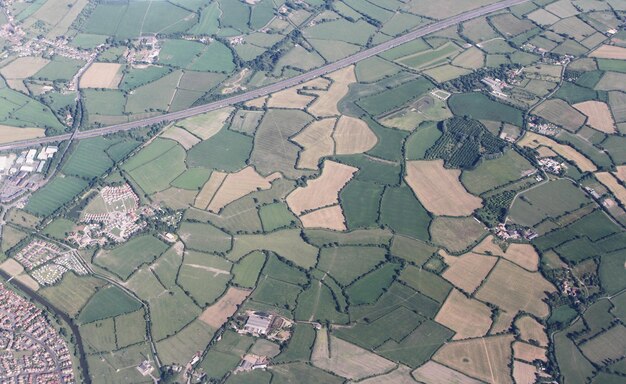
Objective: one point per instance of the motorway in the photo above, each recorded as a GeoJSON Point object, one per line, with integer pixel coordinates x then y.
{"type": "Point", "coordinates": [279, 86]}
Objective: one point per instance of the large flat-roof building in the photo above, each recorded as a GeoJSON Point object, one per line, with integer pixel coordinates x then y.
{"type": "Point", "coordinates": [258, 323]}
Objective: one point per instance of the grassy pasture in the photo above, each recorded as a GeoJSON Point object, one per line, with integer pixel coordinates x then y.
{"type": "Point", "coordinates": [368, 288]}
{"type": "Point", "coordinates": [204, 276]}
{"type": "Point", "coordinates": [275, 216]}
{"type": "Point", "coordinates": [418, 346]}
{"type": "Point", "coordinates": [58, 229]}
{"type": "Point", "coordinates": [494, 173]}
{"type": "Point", "coordinates": [360, 201]}
{"type": "Point", "coordinates": [425, 59]}
{"type": "Point", "coordinates": [247, 270]}
{"type": "Point", "coordinates": [393, 98]}
{"type": "Point", "coordinates": [421, 140]}
{"type": "Point", "coordinates": [346, 264]}
{"type": "Point", "coordinates": [480, 107]}
{"type": "Point", "coordinates": [180, 347]}
{"type": "Point", "coordinates": [299, 346]}
{"type": "Point", "coordinates": [72, 292]}
{"type": "Point", "coordinates": [403, 213]}
{"type": "Point", "coordinates": [55, 194]}
{"type": "Point", "coordinates": [226, 151]}
{"type": "Point", "coordinates": [157, 174]}
{"type": "Point", "coordinates": [456, 233]}
{"type": "Point", "coordinates": [317, 303]}
{"type": "Point", "coordinates": [144, 249]}
{"type": "Point", "coordinates": [204, 237]}
{"type": "Point", "coordinates": [542, 202]}
{"type": "Point", "coordinates": [99, 336]}
{"type": "Point", "coordinates": [130, 328]}
{"type": "Point", "coordinates": [107, 302]}
{"type": "Point", "coordinates": [89, 159]}
{"type": "Point", "coordinates": [341, 29]}
{"type": "Point", "coordinates": [374, 69]}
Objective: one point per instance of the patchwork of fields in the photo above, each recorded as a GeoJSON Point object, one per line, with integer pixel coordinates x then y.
{"type": "Point", "coordinates": [428, 215]}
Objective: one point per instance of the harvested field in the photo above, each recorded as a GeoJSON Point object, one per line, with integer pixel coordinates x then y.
{"type": "Point", "coordinates": [102, 75]}
{"type": "Point", "coordinates": [439, 189]}
{"type": "Point", "coordinates": [533, 140]}
{"type": "Point", "coordinates": [599, 115]}
{"type": "Point", "coordinates": [326, 103]}
{"type": "Point", "coordinates": [28, 281]}
{"type": "Point", "coordinates": [435, 373]}
{"type": "Point", "coordinates": [353, 136]}
{"type": "Point", "coordinates": [239, 184]}
{"type": "Point", "coordinates": [323, 191]}
{"type": "Point", "coordinates": [472, 58]}
{"type": "Point", "coordinates": [524, 373]}
{"type": "Point", "coordinates": [23, 67]}
{"type": "Point", "coordinates": [621, 172]}
{"type": "Point", "coordinates": [528, 352]}
{"type": "Point", "coordinates": [9, 134]}
{"type": "Point", "coordinates": [317, 141]}
{"type": "Point", "coordinates": [346, 359]}
{"type": "Point", "coordinates": [546, 152]}
{"type": "Point", "coordinates": [466, 317]}
{"type": "Point", "coordinates": [289, 98]}
{"type": "Point", "coordinates": [502, 323]}
{"type": "Point", "coordinates": [467, 271]}
{"type": "Point", "coordinates": [609, 52]}
{"type": "Point", "coordinates": [530, 329]}
{"type": "Point", "coordinates": [209, 189]}
{"type": "Point", "coordinates": [613, 185]}
{"type": "Point", "coordinates": [486, 358]}
{"type": "Point", "coordinates": [186, 139]}
{"type": "Point", "coordinates": [560, 113]}
{"type": "Point", "coordinates": [514, 289]}
{"type": "Point", "coordinates": [328, 218]}
{"type": "Point", "coordinates": [257, 103]}
{"type": "Point", "coordinates": [206, 125]}
{"type": "Point", "coordinates": [12, 267]}
{"type": "Point", "coordinates": [402, 375]}
{"type": "Point", "coordinates": [217, 314]}
{"type": "Point", "coordinates": [523, 255]}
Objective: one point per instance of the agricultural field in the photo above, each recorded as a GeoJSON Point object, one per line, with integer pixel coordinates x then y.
{"type": "Point", "coordinates": [450, 209]}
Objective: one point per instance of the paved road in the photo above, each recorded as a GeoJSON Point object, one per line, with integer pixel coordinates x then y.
{"type": "Point", "coordinates": [253, 94]}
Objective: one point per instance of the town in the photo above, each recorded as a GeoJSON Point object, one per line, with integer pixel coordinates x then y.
{"type": "Point", "coordinates": [33, 350]}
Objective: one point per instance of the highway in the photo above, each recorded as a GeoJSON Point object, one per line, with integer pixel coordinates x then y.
{"type": "Point", "coordinates": [283, 84]}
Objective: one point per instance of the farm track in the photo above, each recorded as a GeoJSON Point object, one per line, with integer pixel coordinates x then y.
{"type": "Point", "coordinates": [279, 86]}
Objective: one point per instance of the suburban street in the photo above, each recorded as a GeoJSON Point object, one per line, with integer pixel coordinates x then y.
{"type": "Point", "coordinates": [263, 91]}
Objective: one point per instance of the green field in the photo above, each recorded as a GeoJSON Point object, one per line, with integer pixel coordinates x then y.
{"type": "Point", "coordinates": [360, 201]}
{"type": "Point", "coordinates": [369, 288]}
{"type": "Point", "coordinates": [204, 237]}
{"type": "Point", "coordinates": [393, 98]}
{"type": "Point", "coordinates": [346, 264]}
{"type": "Point", "coordinates": [54, 195]}
{"type": "Point", "coordinates": [226, 151]}
{"type": "Point", "coordinates": [549, 200]}
{"type": "Point", "coordinates": [144, 249]}
{"type": "Point", "coordinates": [402, 212]}
{"type": "Point", "coordinates": [247, 270]}
{"type": "Point", "coordinates": [478, 106]}
{"type": "Point", "coordinates": [107, 302]}
{"type": "Point", "coordinates": [491, 174]}
{"type": "Point", "coordinates": [275, 216]}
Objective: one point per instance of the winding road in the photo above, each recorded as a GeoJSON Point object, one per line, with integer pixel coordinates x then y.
{"type": "Point", "coordinates": [279, 86]}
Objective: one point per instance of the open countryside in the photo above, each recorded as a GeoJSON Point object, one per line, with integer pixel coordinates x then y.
{"type": "Point", "coordinates": [314, 191]}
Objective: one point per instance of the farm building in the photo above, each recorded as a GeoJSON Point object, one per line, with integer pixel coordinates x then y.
{"type": "Point", "coordinates": [258, 323]}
